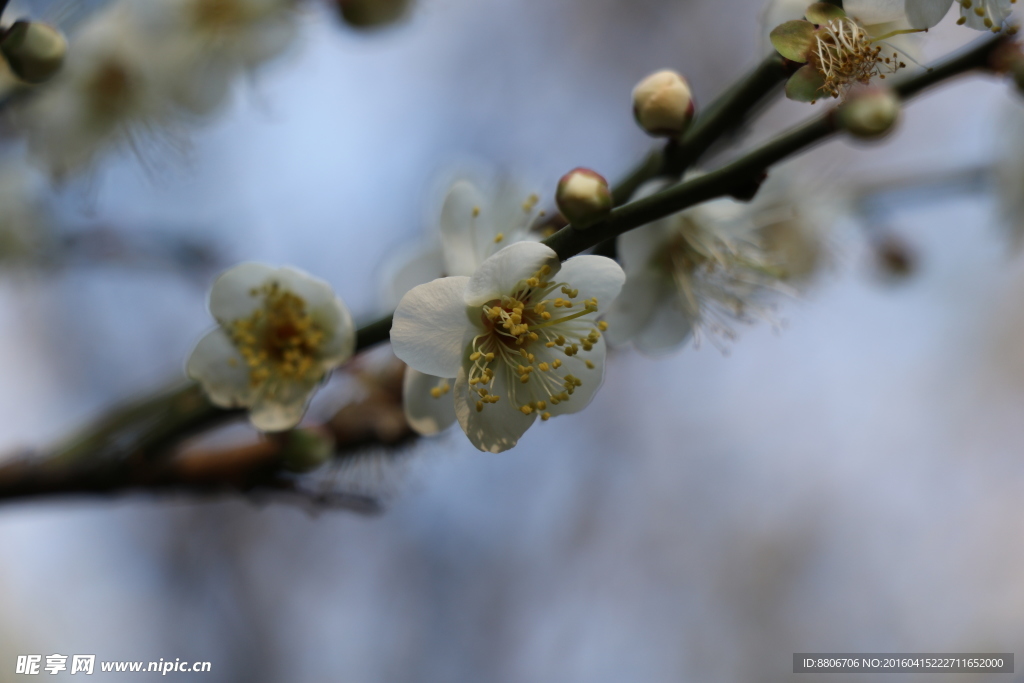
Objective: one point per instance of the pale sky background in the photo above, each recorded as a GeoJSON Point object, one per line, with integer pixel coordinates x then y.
{"type": "Point", "coordinates": [850, 482]}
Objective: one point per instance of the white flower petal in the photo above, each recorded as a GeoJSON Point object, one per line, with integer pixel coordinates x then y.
{"type": "Point", "coordinates": [638, 247]}
{"type": "Point", "coordinates": [429, 325]}
{"type": "Point", "coordinates": [466, 224]}
{"type": "Point", "coordinates": [926, 13]}
{"type": "Point", "coordinates": [500, 274]}
{"type": "Point", "coordinates": [427, 415]}
{"type": "Point", "coordinates": [217, 365]}
{"type": "Point", "coordinates": [594, 276]}
{"type": "Point", "coordinates": [498, 426]}
{"type": "Point", "coordinates": [231, 297]}
{"type": "Point", "coordinates": [634, 308]}
{"type": "Point", "coordinates": [875, 11]}
{"type": "Point", "coordinates": [668, 329]}
{"type": "Point", "coordinates": [995, 11]}
{"type": "Point", "coordinates": [281, 405]}
{"type": "Point", "coordinates": [513, 210]}
{"type": "Point", "coordinates": [410, 269]}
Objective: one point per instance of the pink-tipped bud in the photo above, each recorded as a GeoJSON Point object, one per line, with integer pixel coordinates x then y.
{"type": "Point", "coordinates": [663, 104]}
{"type": "Point", "coordinates": [583, 197]}
{"type": "Point", "coordinates": [34, 51]}
{"type": "Point", "coordinates": [870, 112]}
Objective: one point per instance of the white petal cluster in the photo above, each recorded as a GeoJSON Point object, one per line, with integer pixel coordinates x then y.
{"type": "Point", "coordinates": [280, 332]}
{"type": "Point", "coordinates": [141, 67]}
{"type": "Point", "coordinates": [473, 227]}
{"type": "Point", "coordinates": [700, 271]}
{"type": "Point", "coordinates": [520, 336]}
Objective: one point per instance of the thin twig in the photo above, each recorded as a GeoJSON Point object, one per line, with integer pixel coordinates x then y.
{"type": "Point", "coordinates": [126, 449]}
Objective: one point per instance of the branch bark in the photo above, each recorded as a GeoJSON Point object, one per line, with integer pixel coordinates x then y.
{"type": "Point", "coordinates": [127, 450]}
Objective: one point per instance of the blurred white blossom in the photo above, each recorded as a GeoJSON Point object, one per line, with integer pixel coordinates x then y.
{"type": "Point", "coordinates": [703, 269]}
{"type": "Point", "coordinates": [138, 69]}
{"type": "Point", "coordinates": [280, 332]}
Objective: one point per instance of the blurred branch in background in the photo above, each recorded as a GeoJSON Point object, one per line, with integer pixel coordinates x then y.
{"type": "Point", "coordinates": [143, 448]}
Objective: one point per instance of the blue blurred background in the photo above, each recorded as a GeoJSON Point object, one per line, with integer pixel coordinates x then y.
{"type": "Point", "coordinates": [850, 482]}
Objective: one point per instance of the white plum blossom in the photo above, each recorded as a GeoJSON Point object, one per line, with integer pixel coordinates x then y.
{"type": "Point", "coordinates": [520, 336]}
{"type": "Point", "coordinates": [473, 227]}
{"type": "Point", "coordinates": [109, 92]}
{"type": "Point", "coordinates": [699, 271]}
{"type": "Point", "coordinates": [280, 332]}
{"type": "Point", "coordinates": [139, 69]}
{"type": "Point", "coordinates": [210, 42]}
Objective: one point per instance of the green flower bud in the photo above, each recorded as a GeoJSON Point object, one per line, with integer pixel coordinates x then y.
{"type": "Point", "coordinates": [583, 197]}
{"type": "Point", "coordinates": [306, 449]}
{"type": "Point", "coordinates": [34, 51]}
{"type": "Point", "coordinates": [663, 104]}
{"type": "Point", "coordinates": [870, 112]}
{"type": "Point", "coordinates": [372, 13]}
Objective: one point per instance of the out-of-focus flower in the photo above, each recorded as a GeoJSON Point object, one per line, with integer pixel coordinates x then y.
{"type": "Point", "coordinates": [110, 92]}
{"type": "Point", "coordinates": [663, 104]}
{"type": "Point", "coordinates": [35, 51]}
{"type": "Point", "coordinates": [473, 227]}
{"type": "Point", "coordinates": [207, 43]}
{"type": "Point", "coordinates": [280, 332]}
{"type": "Point", "coordinates": [520, 335]}
{"type": "Point", "coordinates": [583, 197]}
{"type": "Point", "coordinates": [707, 267]}
{"type": "Point", "coordinates": [140, 68]}
{"type": "Point", "coordinates": [838, 52]}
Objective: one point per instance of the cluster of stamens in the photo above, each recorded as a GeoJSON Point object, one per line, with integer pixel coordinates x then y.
{"type": "Point", "coordinates": [845, 54]}
{"type": "Point", "coordinates": [517, 321]}
{"type": "Point", "coordinates": [279, 339]}
{"type": "Point", "coordinates": [718, 281]}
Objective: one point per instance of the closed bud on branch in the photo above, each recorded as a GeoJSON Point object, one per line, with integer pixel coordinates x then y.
{"type": "Point", "coordinates": [583, 197]}
{"type": "Point", "coordinates": [34, 51]}
{"type": "Point", "coordinates": [870, 112]}
{"type": "Point", "coordinates": [371, 13]}
{"type": "Point", "coordinates": [306, 449]}
{"type": "Point", "coordinates": [663, 104]}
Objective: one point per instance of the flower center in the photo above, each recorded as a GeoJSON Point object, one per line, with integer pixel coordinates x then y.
{"type": "Point", "coordinates": [110, 89]}
{"type": "Point", "coordinates": [845, 54]}
{"type": "Point", "coordinates": [216, 15]}
{"type": "Point", "coordinates": [519, 327]}
{"type": "Point", "coordinates": [280, 339]}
